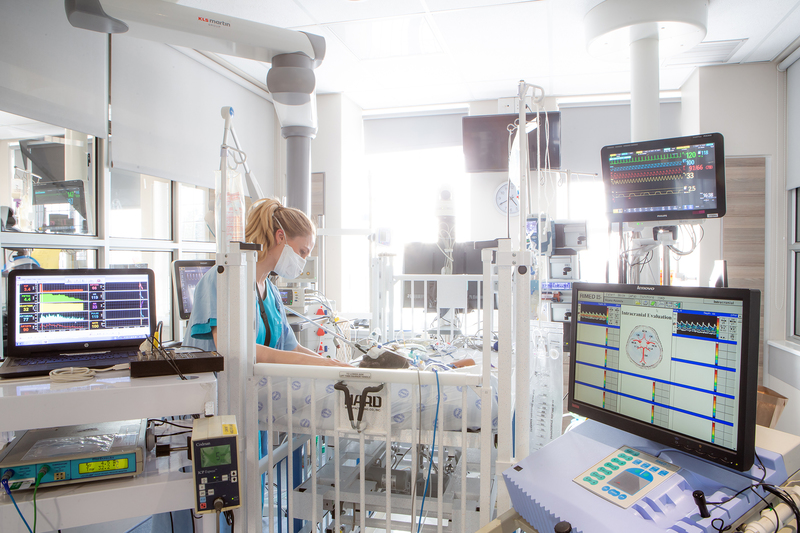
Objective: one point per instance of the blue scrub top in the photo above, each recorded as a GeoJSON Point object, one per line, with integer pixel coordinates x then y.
{"type": "Point", "coordinates": [204, 317]}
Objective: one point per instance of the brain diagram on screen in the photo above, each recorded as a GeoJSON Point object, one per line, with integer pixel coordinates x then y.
{"type": "Point", "coordinates": [644, 347]}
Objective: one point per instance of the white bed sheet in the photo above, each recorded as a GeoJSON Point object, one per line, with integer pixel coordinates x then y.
{"type": "Point", "coordinates": [400, 395]}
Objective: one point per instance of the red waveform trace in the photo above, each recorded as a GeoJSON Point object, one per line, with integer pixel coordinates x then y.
{"type": "Point", "coordinates": [645, 173]}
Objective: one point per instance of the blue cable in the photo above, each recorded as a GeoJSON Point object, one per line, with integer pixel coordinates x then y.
{"type": "Point", "coordinates": [430, 463]}
{"type": "Point", "coordinates": [8, 491]}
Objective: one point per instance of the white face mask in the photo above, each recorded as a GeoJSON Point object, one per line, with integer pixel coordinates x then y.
{"type": "Point", "coordinates": [290, 264]}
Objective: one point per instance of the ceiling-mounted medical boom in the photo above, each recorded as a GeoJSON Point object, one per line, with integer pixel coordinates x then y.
{"type": "Point", "coordinates": [291, 81]}
{"type": "Point", "coordinates": [167, 22]}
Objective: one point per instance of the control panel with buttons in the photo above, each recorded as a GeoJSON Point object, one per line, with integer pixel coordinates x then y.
{"type": "Point", "coordinates": [625, 476]}
{"type": "Point", "coordinates": [215, 463]}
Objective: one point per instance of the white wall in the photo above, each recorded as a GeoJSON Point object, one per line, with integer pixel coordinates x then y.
{"type": "Point", "coordinates": [742, 102]}
{"type": "Point", "coordinates": [690, 105]}
{"type": "Point", "coordinates": [166, 115]}
{"type": "Point", "coordinates": [585, 130]}
{"type": "Point", "coordinates": [355, 261]}
{"type": "Point", "coordinates": [747, 104]}
{"type": "Point", "coordinates": [338, 152]}
{"type": "Point", "coordinates": [326, 156]}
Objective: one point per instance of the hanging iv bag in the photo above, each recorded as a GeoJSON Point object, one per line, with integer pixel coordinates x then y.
{"type": "Point", "coordinates": [233, 206]}
{"type": "Point", "coordinates": [514, 155]}
{"type": "Point", "coordinates": [547, 385]}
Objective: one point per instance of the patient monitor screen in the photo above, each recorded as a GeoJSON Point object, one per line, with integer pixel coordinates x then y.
{"type": "Point", "coordinates": [666, 360]}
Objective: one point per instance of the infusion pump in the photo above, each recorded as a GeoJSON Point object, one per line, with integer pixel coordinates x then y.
{"type": "Point", "coordinates": [215, 463]}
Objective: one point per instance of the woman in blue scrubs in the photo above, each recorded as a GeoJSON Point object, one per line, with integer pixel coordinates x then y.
{"type": "Point", "coordinates": [287, 237]}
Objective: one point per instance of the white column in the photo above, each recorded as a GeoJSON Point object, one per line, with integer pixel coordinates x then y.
{"type": "Point", "coordinates": [645, 119]}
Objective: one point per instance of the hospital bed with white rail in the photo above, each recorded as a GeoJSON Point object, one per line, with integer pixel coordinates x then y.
{"type": "Point", "coordinates": [379, 425]}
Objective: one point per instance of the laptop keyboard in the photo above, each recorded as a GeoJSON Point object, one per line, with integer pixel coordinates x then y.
{"type": "Point", "coordinates": [93, 360]}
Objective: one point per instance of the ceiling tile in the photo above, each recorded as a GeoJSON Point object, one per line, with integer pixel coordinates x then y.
{"type": "Point", "coordinates": [339, 63]}
{"type": "Point", "coordinates": [452, 5]}
{"type": "Point", "coordinates": [599, 83]}
{"type": "Point", "coordinates": [483, 44]}
{"type": "Point", "coordinates": [778, 39]}
{"type": "Point", "coordinates": [404, 97]}
{"type": "Point", "coordinates": [748, 19]}
{"type": "Point", "coordinates": [401, 73]}
{"type": "Point", "coordinates": [389, 37]}
{"type": "Point", "coordinates": [330, 11]}
{"type": "Point", "coordinates": [280, 13]}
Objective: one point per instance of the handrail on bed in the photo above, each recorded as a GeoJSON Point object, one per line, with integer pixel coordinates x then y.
{"type": "Point", "coordinates": [372, 375]}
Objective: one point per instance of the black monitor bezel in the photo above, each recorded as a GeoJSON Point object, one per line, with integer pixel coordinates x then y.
{"type": "Point", "coordinates": [741, 459]}
{"type": "Point", "coordinates": [21, 351]}
{"type": "Point", "coordinates": [176, 266]}
{"type": "Point", "coordinates": [659, 216]}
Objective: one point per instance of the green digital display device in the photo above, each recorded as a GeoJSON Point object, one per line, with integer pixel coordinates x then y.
{"type": "Point", "coordinates": [215, 456]}
{"type": "Point", "coordinates": [215, 464]}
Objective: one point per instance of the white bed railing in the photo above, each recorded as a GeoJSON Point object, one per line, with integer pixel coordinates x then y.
{"type": "Point", "coordinates": [351, 499]}
{"type": "Point", "coordinates": [320, 505]}
{"type": "Point", "coordinates": [415, 304]}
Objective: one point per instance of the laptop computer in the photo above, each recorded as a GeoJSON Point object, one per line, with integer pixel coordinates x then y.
{"type": "Point", "coordinates": [92, 318]}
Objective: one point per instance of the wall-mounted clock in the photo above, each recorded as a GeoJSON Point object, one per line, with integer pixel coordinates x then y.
{"type": "Point", "coordinates": [507, 204]}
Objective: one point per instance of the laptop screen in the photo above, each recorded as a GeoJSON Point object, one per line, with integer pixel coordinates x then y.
{"type": "Point", "coordinates": [55, 309]}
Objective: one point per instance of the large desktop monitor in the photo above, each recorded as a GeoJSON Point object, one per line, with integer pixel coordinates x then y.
{"type": "Point", "coordinates": [682, 178]}
{"type": "Point", "coordinates": [676, 365]}
{"type": "Point", "coordinates": [186, 274]}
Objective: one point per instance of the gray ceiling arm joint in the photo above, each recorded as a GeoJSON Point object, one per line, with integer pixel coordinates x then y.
{"type": "Point", "coordinates": [89, 15]}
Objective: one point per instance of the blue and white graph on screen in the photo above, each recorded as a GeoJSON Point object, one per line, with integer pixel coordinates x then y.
{"type": "Point", "coordinates": [84, 306]}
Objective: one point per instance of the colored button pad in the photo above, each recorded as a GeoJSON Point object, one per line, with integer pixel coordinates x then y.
{"type": "Point", "coordinates": [616, 477]}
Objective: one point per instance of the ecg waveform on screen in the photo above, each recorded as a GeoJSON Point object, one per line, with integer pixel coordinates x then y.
{"type": "Point", "coordinates": [56, 307]}
{"type": "Point", "coordinates": [697, 326]}
{"type": "Point", "coordinates": [596, 314]}
{"type": "Point", "coordinates": [659, 173]}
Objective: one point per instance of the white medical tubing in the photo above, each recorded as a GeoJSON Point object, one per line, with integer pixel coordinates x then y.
{"type": "Point", "coordinates": [766, 524]}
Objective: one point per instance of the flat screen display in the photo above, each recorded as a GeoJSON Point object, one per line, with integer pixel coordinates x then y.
{"type": "Point", "coordinates": [187, 274]}
{"type": "Point", "coordinates": [486, 145]}
{"type": "Point", "coordinates": [682, 178]}
{"type": "Point", "coordinates": [676, 365]}
{"type": "Point", "coordinates": [80, 308]}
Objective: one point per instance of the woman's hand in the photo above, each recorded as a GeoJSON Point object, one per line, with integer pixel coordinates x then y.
{"type": "Point", "coordinates": [265, 354]}
{"type": "Point", "coordinates": [326, 361]}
